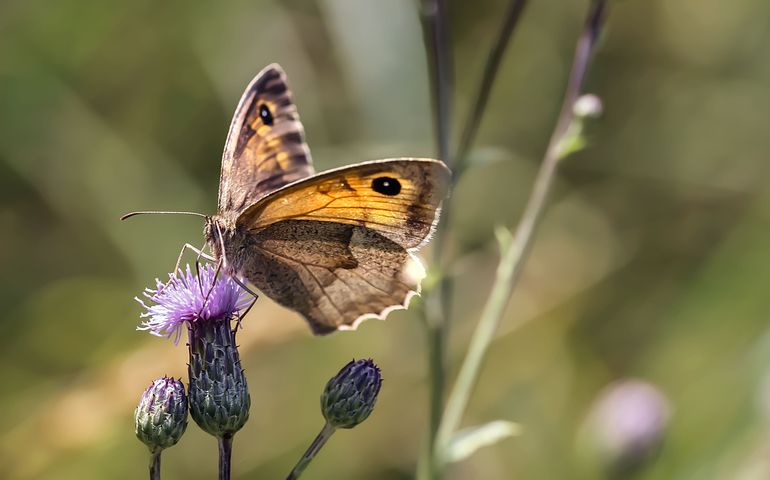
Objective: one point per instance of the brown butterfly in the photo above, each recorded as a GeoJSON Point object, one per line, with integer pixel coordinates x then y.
{"type": "Point", "coordinates": [336, 246]}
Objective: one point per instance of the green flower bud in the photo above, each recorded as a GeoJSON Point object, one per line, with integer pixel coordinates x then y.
{"type": "Point", "coordinates": [349, 396]}
{"type": "Point", "coordinates": [161, 416]}
{"type": "Point", "coordinates": [219, 395]}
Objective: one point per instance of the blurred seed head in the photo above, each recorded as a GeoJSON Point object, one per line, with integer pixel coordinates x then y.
{"type": "Point", "coordinates": [587, 106]}
{"type": "Point", "coordinates": [349, 396]}
{"type": "Point", "coordinates": [627, 424]}
{"type": "Point", "coordinates": [161, 416]}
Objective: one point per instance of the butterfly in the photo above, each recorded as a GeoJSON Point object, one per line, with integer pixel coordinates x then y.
{"type": "Point", "coordinates": [336, 247]}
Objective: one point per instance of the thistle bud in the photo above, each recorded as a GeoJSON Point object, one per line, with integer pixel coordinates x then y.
{"type": "Point", "coordinates": [161, 416]}
{"type": "Point", "coordinates": [349, 396]}
{"type": "Point", "coordinates": [219, 395]}
{"type": "Point", "coordinates": [587, 106]}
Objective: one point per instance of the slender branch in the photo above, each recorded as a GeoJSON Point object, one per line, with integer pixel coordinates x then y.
{"type": "Point", "coordinates": [155, 466]}
{"type": "Point", "coordinates": [225, 454]}
{"type": "Point", "coordinates": [320, 440]}
{"type": "Point", "coordinates": [433, 15]}
{"type": "Point", "coordinates": [436, 38]}
{"type": "Point", "coordinates": [514, 252]}
{"type": "Point", "coordinates": [512, 16]}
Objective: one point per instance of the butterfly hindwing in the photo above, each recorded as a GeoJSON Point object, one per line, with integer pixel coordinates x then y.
{"type": "Point", "coordinates": [334, 274]}
{"type": "Point", "coordinates": [265, 146]}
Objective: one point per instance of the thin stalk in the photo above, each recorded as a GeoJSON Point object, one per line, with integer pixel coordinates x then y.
{"type": "Point", "coordinates": [155, 466]}
{"type": "Point", "coordinates": [515, 252]}
{"type": "Point", "coordinates": [444, 290]}
{"type": "Point", "coordinates": [436, 37]}
{"type": "Point", "coordinates": [225, 454]}
{"type": "Point", "coordinates": [320, 440]}
{"type": "Point", "coordinates": [433, 16]}
{"type": "Point", "coordinates": [472, 123]}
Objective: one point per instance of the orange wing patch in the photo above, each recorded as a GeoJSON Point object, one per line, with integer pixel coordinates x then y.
{"type": "Point", "coordinates": [397, 198]}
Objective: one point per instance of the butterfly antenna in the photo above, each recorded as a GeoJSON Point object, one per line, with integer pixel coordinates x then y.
{"type": "Point", "coordinates": [146, 212]}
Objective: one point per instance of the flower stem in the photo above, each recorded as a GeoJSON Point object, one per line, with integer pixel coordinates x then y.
{"type": "Point", "coordinates": [433, 15]}
{"type": "Point", "coordinates": [472, 123]}
{"type": "Point", "coordinates": [320, 440]}
{"type": "Point", "coordinates": [436, 37]}
{"type": "Point", "coordinates": [225, 454]}
{"type": "Point", "coordinates": [437, 302]}
{"type": "Point", "coordinates": [514, 251]}
{"type": "Point", "coordinates": [155, 466]}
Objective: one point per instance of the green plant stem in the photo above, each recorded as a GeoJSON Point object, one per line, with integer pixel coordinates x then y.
{"type": "Point", "coordinates": [438, 300]}
{"type": "Point", "coordinates": [433, 16]}
{"type": "Point", "coordinates": [225, 454]}
{"type": "Point", "coordinates": [436, 37]}
{"type": "Point", "coordinates": [155, 466]}
{"type": "Point", "coordinates": [514, 252]}
{"type": "Point", "coordinates": [472, 123]}
{"type": "Point", "coordinates": [320, 440]}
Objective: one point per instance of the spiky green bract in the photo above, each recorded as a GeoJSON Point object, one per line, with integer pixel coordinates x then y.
{"type": "Point", "coordinates": [161, 416]}
{"type": "Point", "coordinates": [219, 395]}
{"type": "Point", "coordinates": [349, 396]}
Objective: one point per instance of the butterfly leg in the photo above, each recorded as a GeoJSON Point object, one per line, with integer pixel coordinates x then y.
{"type": "Point", "coordinates": [200, 253]}
{"type": "Point", "coordinates": [186, 247]}
{"type": "Point", "coordinates": [213, 283]}
{"type": "Point", "coordinates": [240, 283]}
{"type": "Point", "coordinates": [252, 293]}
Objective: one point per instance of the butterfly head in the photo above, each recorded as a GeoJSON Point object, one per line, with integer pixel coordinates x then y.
{"type": "Point", "coordinates": [211, 229]}
{"type": "Point", "coordinates": [218, 234]}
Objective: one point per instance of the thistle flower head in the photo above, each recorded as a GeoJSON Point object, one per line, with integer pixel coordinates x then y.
{"type": "Point", "coordinates": [349, 396]}
{"type": "Point", "coordinates": [183, 300]}
{"type": "Point", "coordinates": [161, 416]}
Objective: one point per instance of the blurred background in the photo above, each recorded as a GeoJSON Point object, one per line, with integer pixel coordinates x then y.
{"type": "Point", "coordinates": [653, 260]}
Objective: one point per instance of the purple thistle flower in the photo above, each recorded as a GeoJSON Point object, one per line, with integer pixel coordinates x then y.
{"type": "Point", "coordinates": [182, 300]}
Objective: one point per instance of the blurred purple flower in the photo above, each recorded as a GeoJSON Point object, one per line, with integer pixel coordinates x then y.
{"type": "Point", "coordinates": [181, 301]}
{"type": "Point", "coordinates": [628, 422]}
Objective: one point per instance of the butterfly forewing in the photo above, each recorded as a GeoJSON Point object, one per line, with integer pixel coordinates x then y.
{"type": "Point", "coordinates": [265, 146]}
{"type": "Point", "coordinates": [397, 198]}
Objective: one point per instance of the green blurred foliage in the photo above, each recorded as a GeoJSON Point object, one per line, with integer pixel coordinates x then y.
{"type": "Point", "coordinates": [652, 260]}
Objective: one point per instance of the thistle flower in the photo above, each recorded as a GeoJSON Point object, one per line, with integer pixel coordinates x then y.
{"type": "Point", "coordinates": [218, 393]}
{"type": "Point", "coordinates": [347, 400]}
{"type": "Point", "coordinates": [349, 396]}
{"type": "Point", "coordinates": [161, 416]}
{"type": "Point", "coordinates": [183, 301]}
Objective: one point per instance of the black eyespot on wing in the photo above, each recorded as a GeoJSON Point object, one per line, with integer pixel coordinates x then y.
{"type": "Point", "coordinates": [265, 115]}
{"type": "Point", "coordinates": [386, 186]}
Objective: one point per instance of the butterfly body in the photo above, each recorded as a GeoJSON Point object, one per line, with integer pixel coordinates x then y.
{"type": "Point", "coordinates": [336, 246]}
